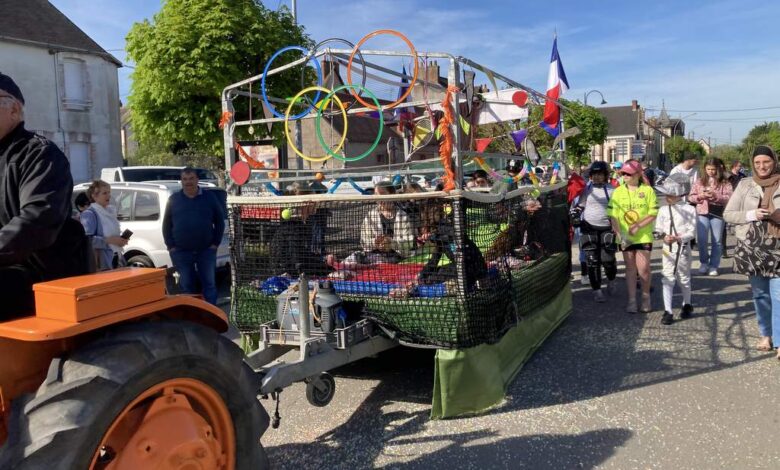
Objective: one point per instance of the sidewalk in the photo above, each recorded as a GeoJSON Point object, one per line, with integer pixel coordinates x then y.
{"type": "Point", "coordinates": [607, 390]}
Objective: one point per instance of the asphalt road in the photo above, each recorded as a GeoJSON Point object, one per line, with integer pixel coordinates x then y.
{"type": "Point", "coordinates": [607, 390]}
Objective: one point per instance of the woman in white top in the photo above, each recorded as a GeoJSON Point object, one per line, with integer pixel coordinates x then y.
{"type": "Point", "coordinates": [102, 227]}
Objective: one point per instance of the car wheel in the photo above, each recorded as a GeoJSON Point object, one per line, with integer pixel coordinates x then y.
{"type": "Point", "coordinates": [140, 261]}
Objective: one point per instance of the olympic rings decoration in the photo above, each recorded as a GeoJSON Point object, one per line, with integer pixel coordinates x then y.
{"type": "Point", "coordinates": [287, 118]}
{"type": "Point", "coordinates": [265, 74]}
{"type": "Point", "coordinates": [403, 96]}
{"type": "Point", "coordinates": [362, 62]}
{"type": "Point", "coordinates": [318, 128]}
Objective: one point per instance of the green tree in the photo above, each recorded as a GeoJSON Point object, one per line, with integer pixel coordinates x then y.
{"type": "Point", "coordinates": [767, 133]}
{"type": "Point", "coordinates": [678, 147]}
{"type": "Point", "coordinates": [729, 153]}
{"type": "Point", "coordinates": [184, 58]}
{"type": "Point", "coordinates": [592, 125]}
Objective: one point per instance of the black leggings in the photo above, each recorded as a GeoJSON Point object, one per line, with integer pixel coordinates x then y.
{"type": "Point", "coordinates": [599, 246]}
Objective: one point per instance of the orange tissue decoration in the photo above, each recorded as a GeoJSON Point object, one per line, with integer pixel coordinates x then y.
{"type": "Point", "coordinates": [226, 116]}
{"type": "Point", "coordinates": [251, 161]}
{"type": "Point", "coordinates": [445, 147]}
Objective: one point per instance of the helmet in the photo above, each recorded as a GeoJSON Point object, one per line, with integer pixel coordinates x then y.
{"type": "Point", "coordinates": [599, 166]}
{"type": "Point", "coordinates": [617, 165]}
{"type": "Point", "coordinates": [678, 184]}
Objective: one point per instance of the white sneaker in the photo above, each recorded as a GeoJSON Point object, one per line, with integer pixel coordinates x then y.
{"type": "Point", "coordinates": [598, 296]}
{"type": "Point", "coordinates": [713, 272]}
{"type": "Point", "coordinates": [704, 269]}
{"type": "Point", "coordinates": [584, 280]}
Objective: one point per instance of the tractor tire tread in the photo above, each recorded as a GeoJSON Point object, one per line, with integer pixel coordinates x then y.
{"type": "Point", "coordinates": [66, 418]}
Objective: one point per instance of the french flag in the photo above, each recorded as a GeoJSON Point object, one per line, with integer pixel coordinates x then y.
{"type": "Point", "coordinates": [556, 86]}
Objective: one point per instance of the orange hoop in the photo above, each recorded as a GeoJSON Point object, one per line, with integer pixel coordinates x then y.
{"type": "Point", "coordinates": [172, 424]}
{"type": "Point", "coordinates": [414, 74]}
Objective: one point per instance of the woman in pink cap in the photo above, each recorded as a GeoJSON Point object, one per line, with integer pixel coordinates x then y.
{"type": "Point", "coordinates": [632, 211]}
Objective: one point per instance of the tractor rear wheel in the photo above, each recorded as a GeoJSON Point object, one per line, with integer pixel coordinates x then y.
{"type": "Point", "coordinates": [170, 394]}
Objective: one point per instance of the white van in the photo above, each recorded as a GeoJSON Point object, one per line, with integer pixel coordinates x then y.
{"type": "Point", "coordinates": [151, 173]}
{"type": "Point", "coordinates": [141, 208]}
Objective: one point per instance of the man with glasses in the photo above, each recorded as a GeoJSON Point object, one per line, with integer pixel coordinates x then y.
{"type": "Point", "coordinates": [36, 239]}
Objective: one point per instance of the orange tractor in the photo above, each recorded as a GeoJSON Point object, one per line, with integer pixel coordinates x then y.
{"type": "Point", "coordinates": [110, 372]}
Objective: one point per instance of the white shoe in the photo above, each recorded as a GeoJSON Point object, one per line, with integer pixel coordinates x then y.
{"type": "Point", "coordinates": [713, 272]}
{"type": "Point", "coordinates": [598, 296]}
{"type": "Point", "coordinates": [704, 269]}
{"type": "Point", "coordinates": [584, 280]}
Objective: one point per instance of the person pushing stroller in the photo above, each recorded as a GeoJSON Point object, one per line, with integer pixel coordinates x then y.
{"type": "Point", "coordinates": [676, 226]}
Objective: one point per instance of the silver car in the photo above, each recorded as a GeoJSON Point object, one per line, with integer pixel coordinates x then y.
{"type": "Point", "coordinates": [141, 208]}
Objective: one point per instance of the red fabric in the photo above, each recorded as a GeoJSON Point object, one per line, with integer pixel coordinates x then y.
{"type": "Point", "coordinates": [392, 273]}
{"type": "Point", "coordinates": [575, 186]}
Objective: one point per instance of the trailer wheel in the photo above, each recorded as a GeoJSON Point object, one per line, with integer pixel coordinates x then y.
{"type": "Point", "coordinates": [170, 394]}
{"type": "Point", "coordinates": [320, 390]}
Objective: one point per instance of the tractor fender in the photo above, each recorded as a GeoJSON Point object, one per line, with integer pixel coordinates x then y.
{"type": "Point", "coordinates": [178, 307]}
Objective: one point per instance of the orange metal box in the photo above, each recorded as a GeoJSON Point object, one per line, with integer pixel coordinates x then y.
{"type": "Point", "coordinates": [80, 298]}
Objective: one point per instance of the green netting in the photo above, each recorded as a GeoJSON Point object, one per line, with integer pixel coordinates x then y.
{"type": "Point", "coordinates": [446, 271]}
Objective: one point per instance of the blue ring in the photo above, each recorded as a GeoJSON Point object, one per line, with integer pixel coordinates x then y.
{"type": "Point", "coordinates": [265, 73]}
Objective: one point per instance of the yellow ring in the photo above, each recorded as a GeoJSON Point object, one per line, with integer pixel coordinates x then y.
{"type": "Point", "coordinates": [287, 119]}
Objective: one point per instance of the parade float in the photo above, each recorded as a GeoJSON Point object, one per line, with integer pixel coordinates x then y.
{"type": "Point", "coordinates": [480, 274]}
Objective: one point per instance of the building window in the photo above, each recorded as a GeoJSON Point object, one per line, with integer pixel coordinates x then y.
{"type": "Point", "coordinates": [78, 154]}
{"type": "Point", "coordinates": [75, 89]}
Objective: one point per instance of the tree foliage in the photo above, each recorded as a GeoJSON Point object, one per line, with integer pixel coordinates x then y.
{"type": "Point", "coordinates": [767, 133]}
{"type": "Point", "coordinates": [185, 57]}
{"type": "Point", "coordinates": [678, 147]}
{"type": "Point", "coordinates": [729, 154]}
{"type": "Point", "coordinates": [592, 124]}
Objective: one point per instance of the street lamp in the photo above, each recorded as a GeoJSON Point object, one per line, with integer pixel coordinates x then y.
{"type": "Point", "coordinates": [603, 101]}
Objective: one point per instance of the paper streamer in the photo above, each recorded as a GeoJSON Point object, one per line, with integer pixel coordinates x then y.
{"type": "Point", "coordinates": [446, 145]}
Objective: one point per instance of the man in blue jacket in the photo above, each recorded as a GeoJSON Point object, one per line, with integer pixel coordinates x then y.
{"type": "Point", "coordinates": [192, 228]}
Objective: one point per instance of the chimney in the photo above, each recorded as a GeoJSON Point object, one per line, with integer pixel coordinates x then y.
{"type": "Point", "coordinates": [433, 72]}
{"type": "Point", "coordinates": [634, 105]}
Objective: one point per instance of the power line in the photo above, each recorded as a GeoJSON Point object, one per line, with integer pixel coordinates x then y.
{"type": "Point", "coordinates": [750, 119]}
{"type": "Point", "coordinates": [713, 110]}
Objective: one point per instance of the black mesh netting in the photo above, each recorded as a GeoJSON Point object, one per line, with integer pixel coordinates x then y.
{"type": "Point", "coordinates": [448, 272]}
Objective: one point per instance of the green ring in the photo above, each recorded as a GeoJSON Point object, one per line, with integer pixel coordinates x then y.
{"type": "Point", "coordinates": [317, 124]}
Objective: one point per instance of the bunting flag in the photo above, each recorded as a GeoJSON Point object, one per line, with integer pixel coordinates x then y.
{"type": "Point", "coordinates": [464, 125]}
{"type": "Point", "coordinates": [556, 86]}
{"type": "Point", "coordinates": [518, 137]}
{"type": "Point", "coordinates": [492, 80]}
{"type": "Point", "coordinates": [482, 144]}
{"type": "Point", "coordinates": [404, 114]}
{"type": "Point", "coordinates": [420, 133]}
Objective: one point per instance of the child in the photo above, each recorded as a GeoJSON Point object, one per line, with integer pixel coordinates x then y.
{"type": "Point", "coordinates": [676, 225]}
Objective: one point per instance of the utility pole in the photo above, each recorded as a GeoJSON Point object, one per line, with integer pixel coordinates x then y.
{"type": "Point", "coordinates": [298, 127]}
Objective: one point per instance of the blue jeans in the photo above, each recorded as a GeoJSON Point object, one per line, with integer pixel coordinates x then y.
{"type": "Point", "coordinates": [201, 263]}
{"type": "Point", "coordinates": [709, 227]}
{"type": "Point", "coordinates": [766, 298]}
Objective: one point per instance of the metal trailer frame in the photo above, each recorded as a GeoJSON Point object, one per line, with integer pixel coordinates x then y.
{"type": "Point", "coordinates": [318, 353]}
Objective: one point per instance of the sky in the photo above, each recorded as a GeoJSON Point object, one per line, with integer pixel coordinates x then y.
{"type": "Point", "coordinates": [717, 59]}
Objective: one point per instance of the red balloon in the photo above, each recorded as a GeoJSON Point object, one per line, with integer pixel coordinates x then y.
{"type": "Point", "coordinates": [240, 172]}
{"type": "Point", "coordinates": [520, 98]}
